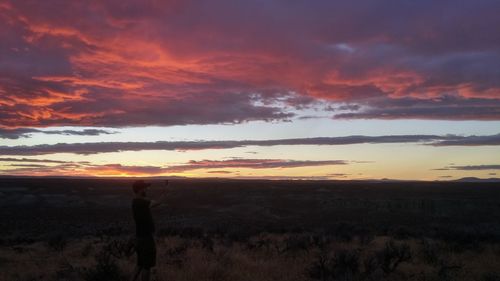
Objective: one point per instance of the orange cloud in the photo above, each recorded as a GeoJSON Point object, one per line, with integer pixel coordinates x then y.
{"type": "Point", "coordinates": [49, 167]}
{"type": "Point", "coordinates": [125, 63]}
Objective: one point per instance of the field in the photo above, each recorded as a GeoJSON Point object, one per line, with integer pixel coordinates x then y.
{"type": "Point", "coordinates": [81, 229]}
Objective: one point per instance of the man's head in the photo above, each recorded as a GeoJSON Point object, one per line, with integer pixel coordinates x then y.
{"type": "Point", "coordinates": [140, 187]}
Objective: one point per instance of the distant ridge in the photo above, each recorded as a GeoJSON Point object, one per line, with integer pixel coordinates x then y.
{"type": "Point", "coordinates": [474, 179]}
{"type": "Point", "coordinates": [383, 180]}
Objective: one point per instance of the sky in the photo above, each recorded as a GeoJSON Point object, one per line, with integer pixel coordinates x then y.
{"type": "Point", "coordinates": [276, 89]}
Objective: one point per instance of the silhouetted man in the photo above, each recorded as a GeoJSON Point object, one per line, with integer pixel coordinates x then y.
{"type": "Point", "coordinates": [144, 229]}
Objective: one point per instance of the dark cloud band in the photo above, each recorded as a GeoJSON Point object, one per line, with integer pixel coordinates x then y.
{"type": "Point", "coordinates": [104, 147]}
{"type": "Point", "coordinates": [471, 168]}
{"type": "Point", "coordinates": [26, 132]}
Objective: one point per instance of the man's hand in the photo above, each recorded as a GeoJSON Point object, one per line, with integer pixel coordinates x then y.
{"type": "Point", "coordinates": [161, 199]}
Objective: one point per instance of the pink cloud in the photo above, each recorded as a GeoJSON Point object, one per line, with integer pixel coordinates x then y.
{"type": "Point", "coordinates": [137, 63]}
{"type": "Point", "coordinates": [46, 167]}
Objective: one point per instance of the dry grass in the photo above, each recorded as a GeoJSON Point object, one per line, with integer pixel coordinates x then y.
{"type": "Point", "coordinates": [263, 257]}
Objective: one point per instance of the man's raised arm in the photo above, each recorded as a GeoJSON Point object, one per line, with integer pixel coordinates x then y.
{"type": "Point", "coordinates": [162, 198]}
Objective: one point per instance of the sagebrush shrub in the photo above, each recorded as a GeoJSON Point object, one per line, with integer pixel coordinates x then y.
{"type": "Point", "coordinates": [392, 255]}
{"type": "Point", "coordinates": [105, 268]}
{"type": "Point", "coordinates": [57, 242]}
{"type": "Point", "coordinates": [120, 248]}
{"type": "Point", "coordinates": [343, 265]}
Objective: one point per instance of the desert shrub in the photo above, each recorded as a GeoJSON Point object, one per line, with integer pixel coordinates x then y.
{"type": "Point", "coordinates": [218, 273]}
{"type": "Point", "coordinates": [178, 250]}
{"type": "Point", "coordinates": [370, 265]}
{"type": "Point", "coordinates": [385, 261]}
{"type": "Point", "coordinates": [57, 242]}
{"type": "Point", "coordinates": [392, 255]}
{"type": "Point", "coordinates": [87, 249]}
{"type": "Point", "coordinates": [167, 231]}
{"type": "Point", "coordinates": [346, 264]}
{"type": "Point", "coordinates": [111, 231]}
{"type": "Point", "coordinates": [296, 243]}
{"type": "Point", "coordinates": [66, 271]}
{"type": "Point", "coordinates": [105, 268]}
{"type": "Point", "coordinates": [461, 238]}
{"type": "Point", "coordinates": [31, 277]}
{"type": "Point", "coordinates": [259, 243]}
{"type": "Point", "coordinates": [191, 232]}
{"type": "Point", "coordinates": [18, 249]}
{"type": "Point", "coordinates": [343, 265]}
{"type": "Point", "coordinates": [278, 246]}
{"type": "Point", "coordinates": [207, 243]}
{"type": "Point", "coordinates": [320, 240]}
{"type": "Point", "coordinates": [490, 276]}
{"type": "Point", "coordinates": [219, 230]}
{"type": "Point", "coordinates": [448, 272]}
{"type": "Point", "coordinates": [120, 248]}
{"type": "Point", "coordinates": [366, 235]}
{"type": "Point", "coordinates": [175, 255]}
{"type": "Point", "coordinates": [430, 251]}
{"type": "Point", "coordinates": [320, 269]}
{"type": "Point", "coordinates": [343, 231]}
{"type": "Point", "coordinates": [240, 234]}
{"type": "Point", "coordinates": [401, 233]}
{"type": "Point", "coordinates": [20, 240]}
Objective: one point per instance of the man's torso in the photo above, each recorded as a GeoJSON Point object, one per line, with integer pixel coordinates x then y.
{"type": "Point", "coordinates": [144, 224]}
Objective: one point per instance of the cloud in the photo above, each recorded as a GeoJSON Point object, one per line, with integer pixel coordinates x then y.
{"type": "Point", "coordinates": [28, 165]}
{"type": "Point", "coordinates": [220, 172]}
{"type": "Point", "coordinates": [48, 161]}
{"type": "Point", "coordinates": [471, 167]}
{"type": "Point", "coordinates": [284, 178]}
{"type": "Point", "coordinates": [337, 175]}
{"type": "Point", "coordinates": [471, 141]}
{"type": "Point", "coordinates": [105, 147]}
{"type": "Point", "coordinates": [16, 133]}
{"type": "Point", "coordinates": [27, 132]}
{"type": "Point", "coordinates": [446, 107]}
{"type": "Point", "coordinates": [85, 132]}
{"type": "Point", "coordinates": [85, 168]}
{"type": "Point", "coordinates": [138, 63]}
{"type": "Point", "coordinates": [253, 164]}
{"type": "Point", "coordinates": [210, 164]}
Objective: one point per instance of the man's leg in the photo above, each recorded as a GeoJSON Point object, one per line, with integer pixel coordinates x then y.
{"type": "Point", "coordinates": [145, 274]}
{"type": "Point", "coordinates": [136, 273]}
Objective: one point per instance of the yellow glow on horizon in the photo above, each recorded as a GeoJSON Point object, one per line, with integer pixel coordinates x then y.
{"type": "Point", "coordinates": [365, 161]}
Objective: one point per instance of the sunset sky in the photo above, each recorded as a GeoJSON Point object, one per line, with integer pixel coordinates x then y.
{"type": "Point", "coordinates": [251, 89]}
